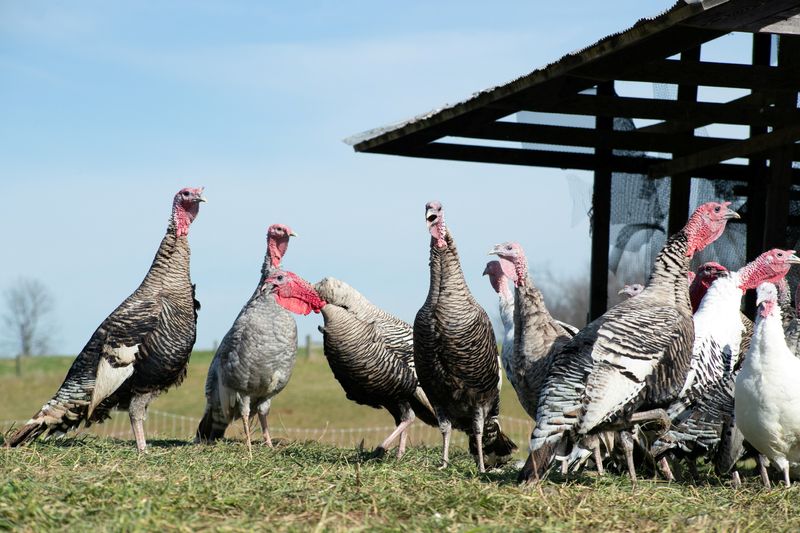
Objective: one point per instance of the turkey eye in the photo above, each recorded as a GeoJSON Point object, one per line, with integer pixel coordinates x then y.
{"type": "Point", "coordinates": [780, 254]}
{"type": "Point", "coordinates": [716, 209]}
{"type": "Point", "coordinates": [280, 278]}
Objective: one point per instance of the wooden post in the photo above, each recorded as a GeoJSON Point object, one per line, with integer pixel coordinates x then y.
{"type": "Point", "coordinates": [776, 217]}
{"type": "Point", "coordinates": [601, 215]}
{"type": "Point", "coordinates": [681, 184]}
{"type": "Point", "coordinates": [756, 190]}
{"type": "Point", "coordinates": [308, 347]}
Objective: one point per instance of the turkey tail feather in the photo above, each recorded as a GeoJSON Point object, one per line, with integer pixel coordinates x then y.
{"type": "Point", "coordinates": [538, 462]}
{"type": "Point", "coordinates": [210, 428]}
{"type": "Point", "coordinates": [27, 433]}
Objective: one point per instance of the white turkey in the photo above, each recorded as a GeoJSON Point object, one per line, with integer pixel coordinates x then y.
{"type": "Point", "coordinates": [140, 350]}
{"type": "Point", "coordinates": [767, 396]}
{"type": "Point", "coordinates": [255, 359]}
{"type": "Point", "coordinates": [630, 363]}
{"type": "Point", "coordinates": [455, 353]}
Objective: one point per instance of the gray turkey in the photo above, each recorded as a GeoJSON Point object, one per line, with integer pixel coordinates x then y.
{"type": "Point", "coordinates": [369, 351]}
{"type": "Point", "coordinates": [705, 402]}
{"type": "Point", "coordinates": [255, 359]}
{"type": "Point", "coordinates": [139, 350]}
{"type": "Point", "coordinates": [626, 366]}
{"type": "Point", "coordinates": [455, 353]}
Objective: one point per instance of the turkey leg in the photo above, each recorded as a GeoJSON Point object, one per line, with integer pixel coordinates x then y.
{"type": "Point", "coordinates": [244, 408]}
{"type": "Point", "coordinates": [446, 428]}
{"type": "Point", "coordinates": [380, 451]}
{"type": "Point", "coordinates": [762, 469]}
{"type": "Point", "coordinates": [263, 411]}
{"type": "Point", "coordinates": [627, 445]}
{"type": "Point", "coordinates": [137, 411]}
{"type": "Point", "coordinates": [477, 430]}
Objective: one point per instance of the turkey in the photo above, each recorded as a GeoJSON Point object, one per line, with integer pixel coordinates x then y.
{"type": "Point", "coordinates": [537, 335]}
{"type": "Point", "coordinates": [255, 359]}
{"type": "Point", "coordinates": [706, 274]}
{"type": "Point", "coordinates": [369, 351]}
{"type": "Point", "coordinates": [630, 363]}
{"type": "Point", "coordinates": [767, 397]}
{"type": "Point", "coordinates": [139, 350]}
{"type": "Point", "coordinates": [705, 403]}
{"type": "Point", "coordinates": [631, 290]}
{"type": "Point", "coordinates": [499, 273]}
{"type": "Point", "coordinates": [455, 353]}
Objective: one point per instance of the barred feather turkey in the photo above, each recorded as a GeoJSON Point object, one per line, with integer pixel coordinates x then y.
{"type": "Point", "coordinates": [256, 357]}
{"type": "Point", "coordinates": [629, 364]}
{"type": "Point", "coordinates": [140, 350]}
{"type": "Point", "coordinates": [455, 353]}
{"type": "Point", "coordinates": [705, 402]}
{"type": "Point", "coordinates": [537, 335]}
{"type": "Point", "coordinates": [369, 351]}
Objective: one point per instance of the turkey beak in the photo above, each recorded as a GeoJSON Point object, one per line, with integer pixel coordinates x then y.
{"type": "Point", "coordinates": [793, 260]}
{"type": "Point", "coordinates": [292, 234]}
{"type": "Point", "coordinates": [495, 250]}
{"type": "Point", "coordinates": [730, 213]}
{"type": "Point", "coordinates": [621, 291]}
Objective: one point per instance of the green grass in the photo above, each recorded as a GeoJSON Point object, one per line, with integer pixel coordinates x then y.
{"type": "Point", "coordinates": [93, 483]}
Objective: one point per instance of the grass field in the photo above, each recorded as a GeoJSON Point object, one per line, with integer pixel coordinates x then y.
{"type": "Point", "coordinates": [91, 482]}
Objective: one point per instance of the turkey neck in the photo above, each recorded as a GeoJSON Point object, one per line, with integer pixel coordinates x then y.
{"type": "Point", "coordinates": [669, 271]}
{"type": "Point", "coordinates": [446, 273]}
{"type": "Point", "coordinates": [768, 340]}
{"type": "Point", "coordinates": [534, 333]}
{"type": "Point", "coordinates": [170, 267]}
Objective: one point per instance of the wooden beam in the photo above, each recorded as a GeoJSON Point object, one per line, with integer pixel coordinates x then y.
{"type": "Point", "coordinates": [653, 108]}
{"type": "Point", "coordinates": [586, 137]}
{"type": "Point", "coordinates": [780, 138]}
{"type": "Point", "coordinates": [601, 216]}
{"type": "Point", "coordinates": [758, 100]}
{"type": "Point", "coordinates": [563, 160]}
{"type": "Point", "coordinates": [704, 73]}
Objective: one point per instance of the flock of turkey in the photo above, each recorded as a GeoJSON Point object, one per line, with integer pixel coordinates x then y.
{"type": "Point", "coordinates": [673, 373]}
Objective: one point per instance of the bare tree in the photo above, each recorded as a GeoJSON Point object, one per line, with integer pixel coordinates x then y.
{"type": "Point", "coordinates": [28, 305]}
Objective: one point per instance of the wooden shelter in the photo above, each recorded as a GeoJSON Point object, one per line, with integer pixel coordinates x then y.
{"type": "Point", "coordinates": [662, 49]}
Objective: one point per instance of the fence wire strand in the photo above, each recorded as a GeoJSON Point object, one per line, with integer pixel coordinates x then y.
{"type": "Point", "coordinates": [161, 424]}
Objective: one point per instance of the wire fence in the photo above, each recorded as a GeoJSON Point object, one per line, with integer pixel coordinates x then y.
{"type": "Point", "coordinates": [161, 424]}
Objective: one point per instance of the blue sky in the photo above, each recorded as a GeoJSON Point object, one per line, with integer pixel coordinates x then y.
{"type": "Point", "coordinates": [108, 108]}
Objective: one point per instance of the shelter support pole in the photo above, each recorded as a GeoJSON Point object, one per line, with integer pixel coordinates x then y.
{"type": "Point", "coordinates": [601, 215]}
{"type": "Point", "coordinates": [681, 184]}
{"type": "Point", "coordinates": [776, 217]}
{"type": "Point", "coordinates": [756, 197]}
